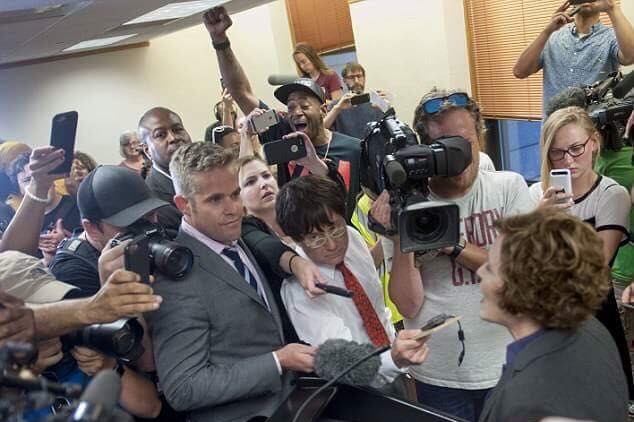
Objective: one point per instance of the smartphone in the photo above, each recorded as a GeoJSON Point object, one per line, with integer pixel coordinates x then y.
{"type": "Point", "coordinates": [284, 150]}
{"type": "Point", "coordinates": [379, 101]}
{"type": "Point", "coordinates": [137, 257]}
{"type": "Point", "coordinates": [338, 291]}
{"type": "Point", "coordinates": [63, 133]}
{"type": "Point", "coordinates": [437, 323]}
{"type": "Point", "coordinates": [560, 179]}
{"type": "Point", "coordinates": [264, 121]}
{"type": "Point", "coordinates": [360, 99]}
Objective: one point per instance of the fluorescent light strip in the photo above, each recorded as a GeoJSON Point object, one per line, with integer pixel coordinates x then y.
{"type": "Point", "coordinates": [98, 42]}
{"type": "Point", "coordinates": [177, 10]}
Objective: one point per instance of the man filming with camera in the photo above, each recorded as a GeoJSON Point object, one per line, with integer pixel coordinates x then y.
{"type": "Point", "coordinates": [446, 282]}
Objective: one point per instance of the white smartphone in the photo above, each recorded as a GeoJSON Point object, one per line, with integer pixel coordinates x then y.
{"type": "Point", "coordinates": [561, 180]}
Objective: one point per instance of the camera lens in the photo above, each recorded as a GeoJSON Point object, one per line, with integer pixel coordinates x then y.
{"type": "Point", "coordinates": [171, 259]}
{"type": "Point", "coordinates": [123, 341]}
{"type": "Point", "coordinates": [427, 226]}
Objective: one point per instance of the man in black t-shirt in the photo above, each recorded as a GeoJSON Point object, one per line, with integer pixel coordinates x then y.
{"type": "Point", "coordinates": [110, 199]}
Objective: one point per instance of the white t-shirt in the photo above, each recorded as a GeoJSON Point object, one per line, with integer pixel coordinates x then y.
{"type": "Point", "coordinates": [453, 289]}
{"type": "Point", "coordinates": [334, 317]}
{"type": "Point", "coordinates": [606, 206]}
{"type": "Point", "coordinates": [486, 163]}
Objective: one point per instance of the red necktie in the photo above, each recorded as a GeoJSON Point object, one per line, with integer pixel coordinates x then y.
{"type": "Point", "coordinates": [370, 319]}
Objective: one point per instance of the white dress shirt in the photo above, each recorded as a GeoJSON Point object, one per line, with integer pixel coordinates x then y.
{"type": "Point", "coordinates": [334, 317]}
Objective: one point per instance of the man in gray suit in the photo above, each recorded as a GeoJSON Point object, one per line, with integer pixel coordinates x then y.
{"type": "Point", "coordinates": [544, 279]}
{"type": "Point", "coordinates": [218, 341]}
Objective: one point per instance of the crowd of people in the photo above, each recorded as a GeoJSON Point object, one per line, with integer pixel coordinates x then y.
{"type": "Point", "coordinates": [537, 276]}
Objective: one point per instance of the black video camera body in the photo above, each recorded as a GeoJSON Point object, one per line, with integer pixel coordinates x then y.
{"type": "Point", "coordinates": [396, 162]}
{"type": "Point", "coordinates": [608, 108]}
{"type": "Point", "coordinates": [166, 256]}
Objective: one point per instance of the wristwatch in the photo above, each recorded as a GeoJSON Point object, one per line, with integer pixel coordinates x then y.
{"type": "Point", "coordinates": [223, 45]}
{"type": "Point", "coordinates": [457, 250]}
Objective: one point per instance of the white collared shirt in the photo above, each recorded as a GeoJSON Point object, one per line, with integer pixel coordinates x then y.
{"type": "Point", "coordinates": [334, 317]}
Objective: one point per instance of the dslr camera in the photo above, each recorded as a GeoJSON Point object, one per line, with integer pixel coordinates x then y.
{"type": "Point", "coordinates": [121, 339]}
{"type": "Point", "coordinates": [396, 162]}
{"type": "Point", "coordinates": [165, 256]}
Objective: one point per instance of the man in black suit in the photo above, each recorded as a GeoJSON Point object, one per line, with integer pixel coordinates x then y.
{"type": "Point", "coordinates": [218, 342]}
{"type": "Point", "coordinates": [544, 279]}
{"type": "Point", "coordinates": [163, 132]}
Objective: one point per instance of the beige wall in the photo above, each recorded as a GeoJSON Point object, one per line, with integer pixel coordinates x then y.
{"type": "Point", "coordinates": [408, 53]}
{"type": "Point", "coordinates": [111, 91]}
{"type": "Point", "coordinates": [407, 47]}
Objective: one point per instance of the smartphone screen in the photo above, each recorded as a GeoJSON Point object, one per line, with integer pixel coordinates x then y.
{"type": "Point", "coordinates": [137, 259]}
{"type": "Point", "coordinates": [360, 99]}
{"type": "Point", "coordinates": [63, 134]}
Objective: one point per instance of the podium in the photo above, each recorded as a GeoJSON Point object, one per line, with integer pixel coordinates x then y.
{"type": "Point", "coordinates": [344, 403]}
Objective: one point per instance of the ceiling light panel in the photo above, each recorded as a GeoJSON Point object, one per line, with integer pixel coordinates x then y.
{"type": "Point", "coordinates": [98, 42]}
{"type": "Point", "coordinates": [177, 10]}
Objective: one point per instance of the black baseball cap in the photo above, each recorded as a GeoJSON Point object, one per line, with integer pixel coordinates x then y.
{"type": "Point", "coordinates": [306, 85]}
{"type": "Point", "coordinates": [116, 195]}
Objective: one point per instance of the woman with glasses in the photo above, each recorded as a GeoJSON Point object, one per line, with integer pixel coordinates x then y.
{"type": "Point", "coordinates": [571, 141]}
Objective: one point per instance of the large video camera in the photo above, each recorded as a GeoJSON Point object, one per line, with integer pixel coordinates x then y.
{"type": "Point", "coordinates": [165, 256]}
{"type": "Point", "coordinates": [396, 162]}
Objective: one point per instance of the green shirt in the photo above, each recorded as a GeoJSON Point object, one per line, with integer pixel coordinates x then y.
{"type": "Point", "coordinates": [618, 166]}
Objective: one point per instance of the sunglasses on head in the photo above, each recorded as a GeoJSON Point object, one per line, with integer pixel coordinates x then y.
{"type": "Point", "coordinates": [435, 105]}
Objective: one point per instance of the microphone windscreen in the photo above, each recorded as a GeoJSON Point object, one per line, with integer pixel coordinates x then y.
{"type": "Point", "coordinates": [622, 88]}
{"type": "Point", "coordinates": [569, 97]}
{"type": "Point", "coordinates": [277, 80]}
{"type": "Point", "coordinates": [335, 355]}
{"type": "Point", "coordinates": [395, 173]}
{"type": "Point", "coordinates": [104, 390]}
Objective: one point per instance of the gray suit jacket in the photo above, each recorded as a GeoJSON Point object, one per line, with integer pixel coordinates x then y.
{"type": "Point", "coordinates": [213, 337]}
{"type": "Point", "coordinates": [569, 373]}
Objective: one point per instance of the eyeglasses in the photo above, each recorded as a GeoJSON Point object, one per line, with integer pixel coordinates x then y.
{"type": "Point", "coordinates": [573, 151]}
{"type": "Point", "coordinates": [434, 105]}
{"type": "Point", "coordinates": [320, 240]}
{"type": "Point", "coordinates": [353, 77]}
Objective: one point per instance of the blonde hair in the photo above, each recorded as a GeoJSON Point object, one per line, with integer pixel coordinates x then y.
{"type": "Point", "coordinates": [311, 54]}
{"type": "Point", "coordinates": [556, 121]}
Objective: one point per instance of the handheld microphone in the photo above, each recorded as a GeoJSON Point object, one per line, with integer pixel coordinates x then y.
{"type": "Point", "coordinates": [277, 80]}
{"type": "Point", "coordinates": [624, 86]}
{"type": "Point", "coordinates": [337, 358]}
{"type": "Point", "coordinates": [99, 398]}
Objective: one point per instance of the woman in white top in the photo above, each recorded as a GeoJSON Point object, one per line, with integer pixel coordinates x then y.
{"type": "Point", "coordinates": [571, 141]}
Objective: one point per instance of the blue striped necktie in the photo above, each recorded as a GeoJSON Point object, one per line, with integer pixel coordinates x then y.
{"type": "Point", "coordinates": [242, 269]}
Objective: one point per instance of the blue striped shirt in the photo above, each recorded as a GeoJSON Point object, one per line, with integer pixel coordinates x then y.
{"type": "Point", "coordinates": [571, 60]}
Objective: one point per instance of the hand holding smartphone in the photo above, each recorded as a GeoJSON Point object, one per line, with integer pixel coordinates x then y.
{"type": "Point", "coordinates": [63, 132]}
{"type": "Point", "coordinates": [562, 181]}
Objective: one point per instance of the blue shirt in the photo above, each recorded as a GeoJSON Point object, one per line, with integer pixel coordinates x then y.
{"type": "Point", "coordinates": [514, 349]}
{"type": "Point", "coordinates": [570, 59]}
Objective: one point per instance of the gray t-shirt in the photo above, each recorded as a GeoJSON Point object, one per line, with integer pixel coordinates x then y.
{"type": "Point", "coordinates": [354, 121]}
{"type": "Point", "coordinates": [606, 206]}
{"type": "Point", "coordinates": [571, 60]}
{"type": "Point", "coordinates": [453, 289]}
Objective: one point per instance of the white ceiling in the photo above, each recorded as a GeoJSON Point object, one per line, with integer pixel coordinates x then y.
{"type": "Point", "coordinates": [34, 29]}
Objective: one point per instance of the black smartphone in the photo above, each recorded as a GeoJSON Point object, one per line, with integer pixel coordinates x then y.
{"type": "Point", "coordinates": [137, 257]}
{"type": "Point", "coordinates": [63, 134]}
{"type": "Point", "coordinates": [284, 150]}
{"type": "Point", "coordinates": [360, 99]}
{"type": "Point", "coordinates": [334, 290]}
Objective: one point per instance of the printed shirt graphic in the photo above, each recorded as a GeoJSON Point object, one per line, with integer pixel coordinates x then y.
{"type": "Point", "coordinates": [453, 289]}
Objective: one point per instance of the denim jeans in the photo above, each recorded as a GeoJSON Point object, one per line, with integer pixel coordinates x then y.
{"type": "Point", "coordinates": [465, 404]}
